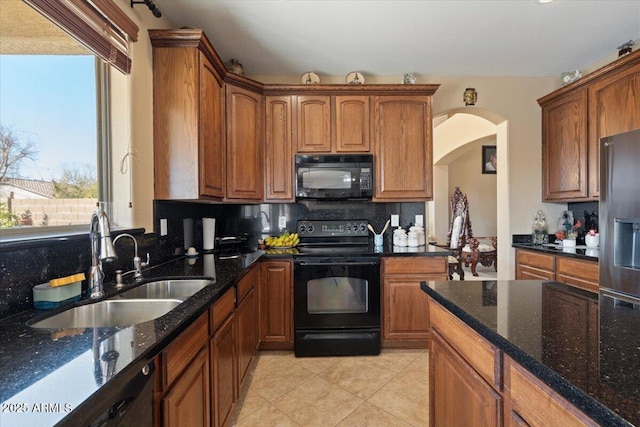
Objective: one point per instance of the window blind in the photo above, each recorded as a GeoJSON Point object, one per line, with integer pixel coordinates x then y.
{"type": "Point", "coordinates": [100, 25]}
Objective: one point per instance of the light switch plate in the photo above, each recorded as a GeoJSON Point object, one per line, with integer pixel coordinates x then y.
{"type": "Point", "coordinates": [420, 220]}
{"type": "Point", "coordinates": [395, 220]}
{"type": "Point", "coordinates": [282, 222]}
{"type": "Point", "coordinates": [163, 226]}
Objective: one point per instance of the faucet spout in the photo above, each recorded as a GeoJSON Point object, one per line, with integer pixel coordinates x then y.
{"type": "Point", "coordinates": [101, 250]}
{"type": "Point", "coordinates": [137, 262]}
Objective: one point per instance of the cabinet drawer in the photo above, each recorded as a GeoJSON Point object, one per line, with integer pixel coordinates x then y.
{"type": "Point", "coordinates": [524, 272]}
{"type": "Point", "coordinates": [247, 283]}
{"type": "Point", "coordinates": [533, 259]}
{"type": "Point", "coordinates": [582, 274]}
{"type": "Point", "coordinates": [482, 356]}
{"type": "Point", "coordinates": [415, 265]}
{"type": "Point", "coordinates": [183, 349]}
{"type": "Point", "coordinates": [221, 309]}
{"type": "Point", "coordinates": [534, 403]}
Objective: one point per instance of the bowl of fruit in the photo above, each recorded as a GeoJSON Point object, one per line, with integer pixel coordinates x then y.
{"type": "Point", "coordinates": [286, 240]}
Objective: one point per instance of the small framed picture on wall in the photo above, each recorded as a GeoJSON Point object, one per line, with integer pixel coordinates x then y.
{"type": "Point", "coordinates": [489, 159]}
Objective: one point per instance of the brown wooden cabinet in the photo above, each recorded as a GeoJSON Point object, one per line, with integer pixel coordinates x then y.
{"type": "Point", "coordinates": [532, 403]}
{"type": "Point", "coordinates": [531, 265]}
{"type": "Point", "coordinates": [313, 123]}
{"type": "Point", "coordinates": [276, 305]}
{"type": "Point", "coordinates": [244, 161]}
{"type": "Point", "coordinates": [405, 319]}
{"type": "Point", "coordinates": [575, 117]}
{"type": "Point", "coordinates": [454, 381]}
{"type": "Point", "coordinates": [564, 148]}
{"type": "Point", "coordinates": [463, 368]}
{"type": "Point", "coordinates": [351, 124]}
{"type": "Point", "coordinates": [188, 101]}
{"type": "Point", "coordinates": [404, 148]}
{"type": "Point", "coordinates": [279, 149]}
{"type": "Point", "coordinates": [222, 349]}
{"type": "Point", "coordinates": [247, 321]}
{"type": "Point", "coordinates": [183, 388]}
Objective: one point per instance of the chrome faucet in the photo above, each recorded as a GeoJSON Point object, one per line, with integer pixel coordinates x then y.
{"type": "Point", "coordinates": [101, 250]}
{"type": "Point", "coordinates": [137, 262]}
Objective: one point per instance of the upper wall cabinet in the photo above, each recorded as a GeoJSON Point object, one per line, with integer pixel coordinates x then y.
{"type": "Point", "coordinates": [332, 124]}
{"type": "Point", "coordinates": [245, 134]}
{"type": "Point", "coordinates": [278, 150]}
{"type": "Point", "coordinates": [575, 117]}
{"type": "Point", "coordinates": [188, 99]}
{"type": "Point", "coordinates": [403, 147]}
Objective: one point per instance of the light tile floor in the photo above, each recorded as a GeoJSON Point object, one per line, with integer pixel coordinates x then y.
{"type": "Point", "coordinates": [386, 390]}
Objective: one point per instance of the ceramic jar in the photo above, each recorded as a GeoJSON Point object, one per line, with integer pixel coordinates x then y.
{"type": "Point", "coordinates": [412, 239]}
{"type": "Point", "coordinates": [400, 237]}
{"type": "Point", "coordinates": [592, 240]}
{"type": "Point", "coordinates": [421, 234]}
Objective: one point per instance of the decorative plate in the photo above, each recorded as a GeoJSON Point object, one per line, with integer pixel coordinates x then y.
{"type": "Point", "coordinates": [355, 78]}
{"type": "Point", "coordinates": [310, 78]}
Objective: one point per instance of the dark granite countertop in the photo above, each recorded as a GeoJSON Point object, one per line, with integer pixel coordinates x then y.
{"type": "Point", "coordinates": [580, 251]}
{"type": "Point", "coordinates": [581, 344]}
{"type": "Point", "coordinates": [63, 369]}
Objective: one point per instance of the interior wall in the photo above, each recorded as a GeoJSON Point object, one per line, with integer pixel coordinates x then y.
{"type": "Point", "coordinates": [465, 172]}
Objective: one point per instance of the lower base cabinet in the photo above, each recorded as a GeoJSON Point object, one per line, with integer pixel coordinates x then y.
{"type": "Point", "coordinates": [405, 317]}
{"type": "Point", "coordinates": [460, 396]}
{"type": "Point", "coordinates": [187, 402]}
{"type": "Point", "coordinates": [223, 364]}
{"type": "Point", "coordinates": [275, 309]}
{"type": "Point", "coordinates": [579, 273]}
{"type": "Point", "coordinates": [472, 383]}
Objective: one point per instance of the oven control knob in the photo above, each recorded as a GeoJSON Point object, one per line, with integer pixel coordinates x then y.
{"type": "Point", "coordinates": [363, 227]}
{"type": "Point", "coordinates": [302, 228]}
{"type": "Point", "coordinates": [310, 228]}
{"type": "Point", "coordinates": [348, 228]}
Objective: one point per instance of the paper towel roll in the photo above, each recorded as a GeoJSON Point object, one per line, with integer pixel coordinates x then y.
{"type": "Point", "coordinates": [208, 233]}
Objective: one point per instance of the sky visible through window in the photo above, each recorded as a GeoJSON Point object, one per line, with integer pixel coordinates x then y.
{"type": "Point", "coordinates": [50, 100]}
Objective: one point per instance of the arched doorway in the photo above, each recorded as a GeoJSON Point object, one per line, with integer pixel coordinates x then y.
{"type": "Point", "coordinates": [456, 132]}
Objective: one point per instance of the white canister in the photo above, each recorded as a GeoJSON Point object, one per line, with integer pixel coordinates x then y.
{"type": "Point", "coordinates": [421, 234]}
{"type": "Point", "coordinates": [412, 239]}
{"type": "Point", "coordinates": [400, 237]}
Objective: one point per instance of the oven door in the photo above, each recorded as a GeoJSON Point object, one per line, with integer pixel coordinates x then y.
{"type": "Point", "coordinates": [336, 292]}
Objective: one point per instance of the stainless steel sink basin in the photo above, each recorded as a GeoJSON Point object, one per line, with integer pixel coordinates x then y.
{"type": "Point", "coordinates": [109, 313]}
{"type": "Point", "coordinates": [172, 289]}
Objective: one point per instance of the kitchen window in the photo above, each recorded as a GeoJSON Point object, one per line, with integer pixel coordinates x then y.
{"type": "Point", "coordinates": [54, 125]}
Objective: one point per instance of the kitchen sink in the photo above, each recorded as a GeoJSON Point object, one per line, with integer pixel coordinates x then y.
{"type": "Point", "coordinates": [110, 313]}
{"type": "Point", "coordinates": [163, 289]}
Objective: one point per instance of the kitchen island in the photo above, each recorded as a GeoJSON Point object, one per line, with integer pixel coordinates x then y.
{"type": "Point", "coordinates": [581, 354]}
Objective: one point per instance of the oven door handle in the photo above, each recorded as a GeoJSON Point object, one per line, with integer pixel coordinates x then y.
{"type": "Point", "coordinates": [311, 264]}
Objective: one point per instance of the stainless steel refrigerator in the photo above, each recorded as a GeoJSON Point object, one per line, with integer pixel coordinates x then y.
{"type": "Point", "coordinates": [620, 214]}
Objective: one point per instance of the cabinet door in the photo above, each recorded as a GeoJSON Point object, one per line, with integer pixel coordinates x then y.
{"type": "Point", "coordinates": [247, 319]}
{"type": "Point", "coordinates": [406, 314]}
{"type": "Point", "coordinates": [404, 149]}
{"type": "Point", "coordinates": [275, 306]}
{"type": "Point", "coordinates": [188, 401]}
{"type": "Point", "coordinates": [245, 117]}
{"type": "Point", "coordinates": [531, 402]}
{"type": "Point", "coordinates": [313, 124]}
{"type": "Point", "coordinates": [351, 124]}
{"type": "Point", "coordinates": [212, 140]}
{"type": "Point", "coordinates": [279, 150]}
{"type": "Point", "coordinates": [614, 107]}
{"type": "Point", "coordinates": [224, 374]}
{"type": "Point", "coordinates": [535, 266]}
{"type": "Point", "coordinates": [564, 148]}
{"type": "Point", "coordinates": [458, 395]}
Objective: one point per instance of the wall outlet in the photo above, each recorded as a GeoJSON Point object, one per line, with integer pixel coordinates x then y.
{"type": "Point", "coordinates": [282, 222]}
{"type": "Point", "coordinates": [395, 220]}
{"type": "Point", "coordinates": [163, 226]}
{"type": "Point", "coordinates": [420, 220]}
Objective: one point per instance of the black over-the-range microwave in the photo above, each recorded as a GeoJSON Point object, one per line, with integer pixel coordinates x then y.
{"type": "Point", "coordinates": [334, 176]}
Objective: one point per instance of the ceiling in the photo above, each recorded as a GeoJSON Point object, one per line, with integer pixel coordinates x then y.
{"type": "Point", "coordinates": [424, 37]}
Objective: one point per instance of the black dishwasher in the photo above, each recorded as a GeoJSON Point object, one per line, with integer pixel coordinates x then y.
{"type": "Point", "coordinates": [128, 401]}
